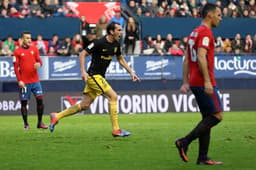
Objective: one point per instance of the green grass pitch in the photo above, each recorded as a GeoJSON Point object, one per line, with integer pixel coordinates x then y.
{"type": "Point", "coordinates": [84, 142]}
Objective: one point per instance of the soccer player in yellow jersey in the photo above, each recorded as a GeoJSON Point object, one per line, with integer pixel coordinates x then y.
{"type": "Point", "coordinates": [102, 51]}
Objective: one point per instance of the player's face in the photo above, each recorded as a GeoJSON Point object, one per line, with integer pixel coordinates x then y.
{"type": "Point", "coordinates": [216, 17]}
{"type": "Point", "coordinates": [26, 39]}
{"type": "Point", "coordinates": [117, 32]}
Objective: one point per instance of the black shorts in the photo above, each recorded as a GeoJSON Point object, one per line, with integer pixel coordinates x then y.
{"type": "Point", "coordinates": [208, 104]}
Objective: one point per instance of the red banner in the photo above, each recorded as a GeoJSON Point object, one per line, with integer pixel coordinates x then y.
{"type": "Point", "coordinates": [93, 10]}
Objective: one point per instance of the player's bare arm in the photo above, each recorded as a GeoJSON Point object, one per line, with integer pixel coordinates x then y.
{"type": "Point", "coordinates": [82, 56]}
{"type": "Point", "coordinates": [203, 66]}
{"type": "Point", "coordinates": [123, 63]}
{"type": "Point", "coordinates": [185, 85]}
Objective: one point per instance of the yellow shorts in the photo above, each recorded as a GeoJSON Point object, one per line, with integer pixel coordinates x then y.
{"type": "Point", "coordinates": [96, 85]}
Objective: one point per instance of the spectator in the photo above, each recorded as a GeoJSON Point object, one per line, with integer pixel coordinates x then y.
{"type": "Point", "coordinates": [54, 43]}
{"type": "Point", "coordinates": [251, 6]}
{"type": "Point", "coordinates": [147, 45]}
{"type": "Point", "coordinates": [5, 51]}
{"type": "Point", "coordinates": [130, 36]}
{"type": "Point", "coordinates": [246, 13]}
{"type": "Point", "coordinates": [254, 43]}
{"type": "Point", "coordinates": [195, 13]}
{"type": "Point", "coordinates": [4, 13]}
{"type": "Point", "coordinates": [175, 50]}
{"type": "Point", "coordinates": [18, 43]}
{"type": "Point", "coordinates": [132, 6]}
{"type": "Point", "coordinates": [227, 48]}
{"type": "Point", "coordinates": [76, 50]}
{"type": "Point", "coordinates": [47, 8]}
{"type": "Point", "coordinates": [65, 47]}
{"type": "Point", "coordinates": [237, 44]}
{"type": "Point", "coordinates": [252, 14]}
{"type": "Point", "coordinates": [139, 14]}
{"type": "Point", "coordinates": [225, 13]}
{"type": "Point", "coordinates": [168, 42]}
{"type": "Point", "coordinates": [35, 9]}
{"type": "Point", "coordinates": [144, 6]}
{"type": "Point", "coordinates": [60, 12]}
{"type": "Point", "coordinates": [101, 27]}
{"type": "Point", "coordinates": [158, 50]}
{"type": "Point", "coordinates": [241, 7]}
{"type": "Point", "coordinates": [182, 44]}
{"type": "Point", "coordinates": [52, 52]}
{"type": "Point", "coordinates": [218, 50]}
{"type": "Point", "coordinates": [14, 13]}
{"type": "Point", "coordinates": [5, 5]}
{"type": "Point", "coordinates": [41, 45]}
{"type": "Point", "coordinates": [171, 13]}
{"type": "Point", "coordinates": [86, 32]}
{"type": "Point", "coordinates": [77, 44]}
{"type": "Point", "coordinates": [219, 42]}
{"type": "Point", "coordinates": [118, 18]}
{"type": "Point", "coordinates": [159, 40]}
{"type": "Point", "coordinates": [153, 8]}
{"type": "Point", "coordinates": [24, 8]}
{"type": "Point", "coordinates": [9, 42]}
{"type": "Point", "coordinates": [248, 44]}
{"type": "Point", "coordinates": [14, 4]}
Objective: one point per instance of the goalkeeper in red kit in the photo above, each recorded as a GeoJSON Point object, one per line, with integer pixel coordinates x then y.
{"type": "Point", "coordinates": [26, 61]}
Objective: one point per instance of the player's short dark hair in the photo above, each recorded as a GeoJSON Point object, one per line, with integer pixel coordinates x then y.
{"type": "Point", "coordinates": [111, 26]}
{"type": "Point", "coordinates": [207, 8]}
{"type": "Point", "coordinates": [24, 32]}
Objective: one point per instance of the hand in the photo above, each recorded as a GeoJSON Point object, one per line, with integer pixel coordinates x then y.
{"type": "Point", "coordinates": [135, 77]}
{"type": "Point", "coordinates": [84, 75]}
{"type": "Point", "coordinates": [37, 65]}
{"type": "Point", "coordinates": [21, 84]}
{"type": "Point", "coordinates": [184, 88]}
{"type": "Point", "coordinates": [208, 89]}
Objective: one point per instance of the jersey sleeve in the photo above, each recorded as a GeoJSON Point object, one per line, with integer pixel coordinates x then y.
{"type": "Point", "coordinates": [38, 59]}
{"type": "Point", "coordinates": [204, 39]}
{"type": "Point", "coordinates": [16, 64]}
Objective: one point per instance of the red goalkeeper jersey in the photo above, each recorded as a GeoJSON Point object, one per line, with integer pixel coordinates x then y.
{"type": "Point", "coordinates": [24, 61]}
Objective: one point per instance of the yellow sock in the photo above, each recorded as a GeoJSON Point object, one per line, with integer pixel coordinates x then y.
{"type": "Point", "coordinates": [113, 114]}
{"type": "Point", "coordinates": [70, 111]}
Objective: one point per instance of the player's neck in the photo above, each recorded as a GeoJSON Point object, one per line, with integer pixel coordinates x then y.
{"type": "Point", "coordinates": [205, 23]}
{"type": "Point", "coordinates": [110, 38]}
{"type": "Point", "coordinates": [25, 46]}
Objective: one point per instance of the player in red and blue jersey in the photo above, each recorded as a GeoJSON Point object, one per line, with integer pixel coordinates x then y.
{"type": "Point", "coordinates": [26, 61]}
{"type": "Point", "coordinates": [198, 75]}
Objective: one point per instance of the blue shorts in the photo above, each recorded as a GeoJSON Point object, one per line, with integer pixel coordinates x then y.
{"type": "Point", "coordinates": [208, 104]}
{"type": "Point", "coordinates": [35, 88]}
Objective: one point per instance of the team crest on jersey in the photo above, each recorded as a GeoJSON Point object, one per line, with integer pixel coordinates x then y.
{"type": "Point", "coordinates": [115, 49]}
{"type": "Point", "coordinates": [206, 41]}
{"type": "Point", "coordinates": [22, 54]}
{"type": "Point", "coordinates": [32, 52]}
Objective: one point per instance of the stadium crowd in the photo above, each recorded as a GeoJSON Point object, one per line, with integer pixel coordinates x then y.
{"type": "Point", "coordinates": [132, 43]}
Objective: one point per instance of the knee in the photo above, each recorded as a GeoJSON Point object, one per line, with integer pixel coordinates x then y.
{"type": "Point", "coordinates": [113, 98]}
{"type": "Point", "coordinates": [84, 106]}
